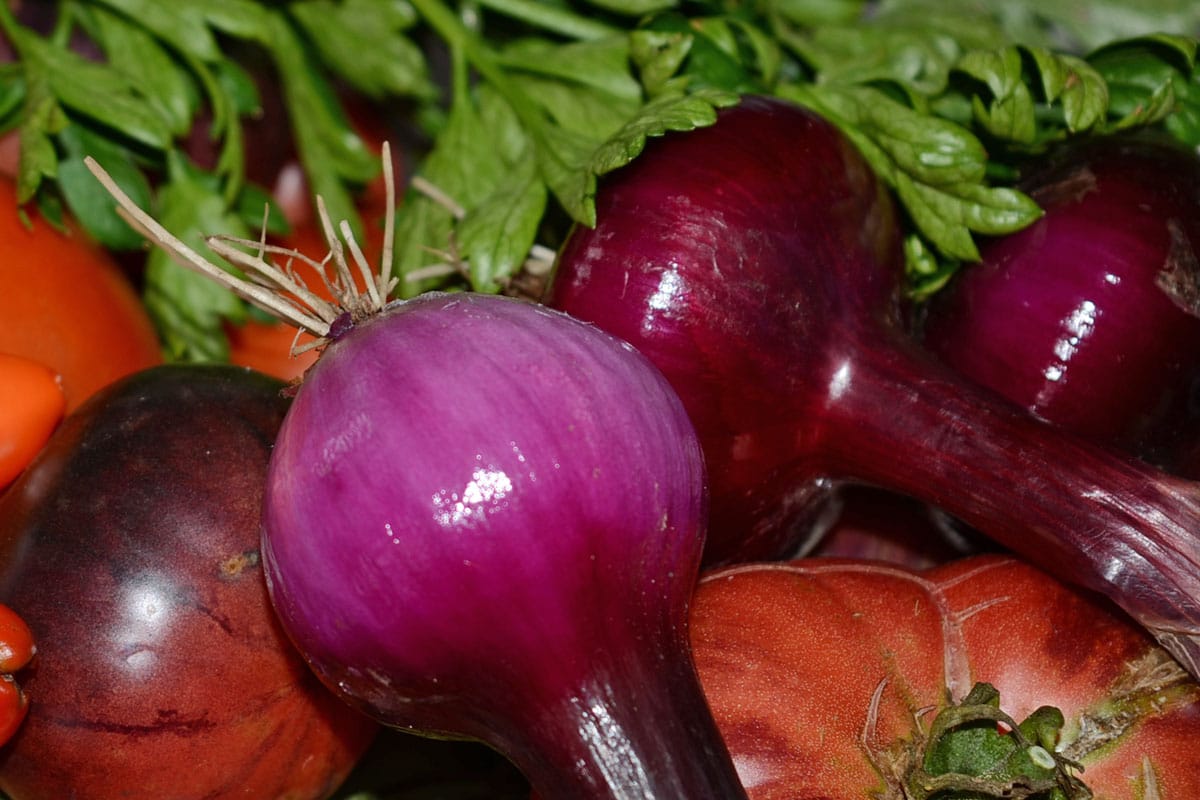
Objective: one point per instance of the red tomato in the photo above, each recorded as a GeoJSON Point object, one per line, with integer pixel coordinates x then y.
{"type": "Point", "coordinates": [67, 305]}
{"type": "Point", "coordinates": [826, 676]}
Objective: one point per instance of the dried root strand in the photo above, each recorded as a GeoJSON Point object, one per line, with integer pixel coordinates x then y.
{"type": "Point", "coordinates": [275, 285]}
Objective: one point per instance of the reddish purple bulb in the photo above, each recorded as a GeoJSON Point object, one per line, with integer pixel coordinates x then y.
{"type": "Point", "coordinates": [1088, 317]}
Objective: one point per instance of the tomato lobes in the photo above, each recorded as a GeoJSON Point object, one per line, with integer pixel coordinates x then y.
{"type": "Point", "coordinates": [840, 704]}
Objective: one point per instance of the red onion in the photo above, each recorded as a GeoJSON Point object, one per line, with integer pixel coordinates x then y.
{"type": "Point", "coordinates": [757, 263]}
{"type": "Point", "coordinates": [484, 519]}
{"type": "Point", "coordinates": [1088, 317]}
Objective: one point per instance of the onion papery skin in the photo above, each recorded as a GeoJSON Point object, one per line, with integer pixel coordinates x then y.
{"type": "Point", "coordinates": [1087, 318]}
{"type": "Point", "coordinates": [757, 263]}
{"type": "Point", "coordinates": [484, 519]}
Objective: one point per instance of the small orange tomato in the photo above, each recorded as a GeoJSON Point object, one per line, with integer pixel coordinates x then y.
{"type": "Point", "coordinates": [31, 404]}
{"type": "Point", "coordinates": [16, 651]}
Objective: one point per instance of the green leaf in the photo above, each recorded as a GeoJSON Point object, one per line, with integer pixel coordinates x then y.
{"type": "Point", "coordinates": [714, 55]}
{"type": "Point", "coordinates": [1076, 84]}
{"type": "Point", "coordinates": [497, 235]}
{"type": "Point", "coordinates": [1150, 80]}
{"type": "Point", "coordinates": [188, 26]}
{"type": "Point", "coordinates": [633, 8]}
{"type": "Point", "coordinates": [97, 91]}
{"type": "Point", "coordinates": [926, 272]}
{"type": "Point", "coordinates": [95, 210]}
{"type": "Point", "coordinates": [658, 56]}
{"type": "Point", "coordinates": [563, 160]}
{"type": "Point", "coordinates": [330, 151]}
{"type": "Point", "coordinates": [1012, 111]}
{"type": "Point", "coordinates": [12, 95]}
{"type": "Point", "coordinates": [136, 55]}
{"type": "Point", "coordinates": [673, 113]}
{"type": "Point", "coordinates": [948, 214]}
{"type": "Point", "coordinates": [600, 64]}
{"type": "Point", "coordinates": [936, 167]}
{"type": "Point", "coordinates": [188, 308]}
{"type": "Point", "coordinates": [581, 111]}
{"type": "Point", "coordinates": [934, 151]}
{"type": "Point", "coordinates": [363, 42]}
{"type": "Point", "coordinates": [41, 120]}
{"type": "Point", "coordinates": [812, 13]}
{"type": "Point", "coordinates": [467, 169]}
{"type": "Point", "coordinates": [918, 57]}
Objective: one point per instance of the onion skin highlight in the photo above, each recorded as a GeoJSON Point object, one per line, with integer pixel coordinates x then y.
{"type": "Point", "coordinates": [484, 520]}
{"type": "Point", "coordinates": [757, 263]}
{"type": "Point", "coordinates": [1087, 318]}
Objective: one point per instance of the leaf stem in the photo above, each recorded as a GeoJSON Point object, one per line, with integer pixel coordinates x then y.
{"type": "Point", "coordinates": [552, 18]}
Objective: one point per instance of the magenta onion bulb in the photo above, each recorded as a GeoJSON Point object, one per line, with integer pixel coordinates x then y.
{"type": "Point", "coordinates": [484, 519]}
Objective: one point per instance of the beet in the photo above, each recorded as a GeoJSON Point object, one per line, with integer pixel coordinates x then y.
{"type": "Point", "coordinates": [131, 547]}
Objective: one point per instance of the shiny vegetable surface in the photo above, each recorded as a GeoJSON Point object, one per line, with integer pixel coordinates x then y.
{"type": "Point", "coordinates": [757, 263]}
{"type": "Point", "coordinates": [1088, 318]}
{"type": "Point", "coordinates": [840, 680]}
{"type": "Point", "coordinates": [31, 404]}
{"type": "Point", "coordinates": [484, 519]}
{"type": "Point", "coordinates": [17, 649]}
{"type": "Point", "coordinates": [67, 305]}
{"type": "Point", "coordinates": [131, 548]}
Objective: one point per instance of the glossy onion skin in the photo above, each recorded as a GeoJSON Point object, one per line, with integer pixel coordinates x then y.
{"type": "Point", "coordinates": [794, 708]}
{"type": "Point", "coordinates": [131, 548]}
{"type": "Point", "coordinates": [681, 265]}
{"type": "Point", "coordinates": [756, 262]}
{"type": "Point", "coordinates": [484, 519]}
{"type": "Point", "coordinates": [1088, 317]}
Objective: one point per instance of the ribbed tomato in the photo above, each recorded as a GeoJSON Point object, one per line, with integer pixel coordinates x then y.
{"type": "Point", "coordinates": [832, 679]}
{"type": "Point", "coordinates": [67, 305]}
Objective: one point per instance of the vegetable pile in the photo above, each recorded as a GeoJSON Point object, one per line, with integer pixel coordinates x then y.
{"type": "Point", "coordinates": [666, 292]}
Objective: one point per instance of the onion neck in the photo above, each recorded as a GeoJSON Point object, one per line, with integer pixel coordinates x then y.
{"type": "Point", "coordinates": [604, 741]}
{"type": "Point", "coordinates": [1083, 512]}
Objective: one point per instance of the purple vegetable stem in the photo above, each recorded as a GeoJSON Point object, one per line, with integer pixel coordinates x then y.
{"type": "Point", "coordinates": [1078, 509]}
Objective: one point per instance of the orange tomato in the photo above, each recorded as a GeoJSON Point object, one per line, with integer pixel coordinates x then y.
{"type": "Point", "coordinates": [31, 404]}
{"type": "Point", "coordinates": [67, 305]}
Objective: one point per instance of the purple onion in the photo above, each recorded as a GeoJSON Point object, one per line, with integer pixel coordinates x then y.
{"type": "Point", "coordinates": [484, 519]}
{"type": "Point", "coordinates": [757, 262]}
{"type": "Point", "coordinates": [1088, 318]}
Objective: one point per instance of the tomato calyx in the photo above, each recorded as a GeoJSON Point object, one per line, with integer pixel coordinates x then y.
{"type": "Point", "coordinates": [975, 750]}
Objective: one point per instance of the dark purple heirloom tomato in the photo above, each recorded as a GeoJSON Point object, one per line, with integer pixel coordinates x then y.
{"type": "Point", "coordinates": [131, 548]}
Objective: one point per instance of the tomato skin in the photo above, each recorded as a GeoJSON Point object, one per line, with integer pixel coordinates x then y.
{"type": "Point", "coordinates": [130, 547]}
{"type": "Point", "coordinates": [67, 304]}
{"type": "Point", "coordinates": [31, 405]}
{"type": "Point", "coordinates": [791, 655]}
